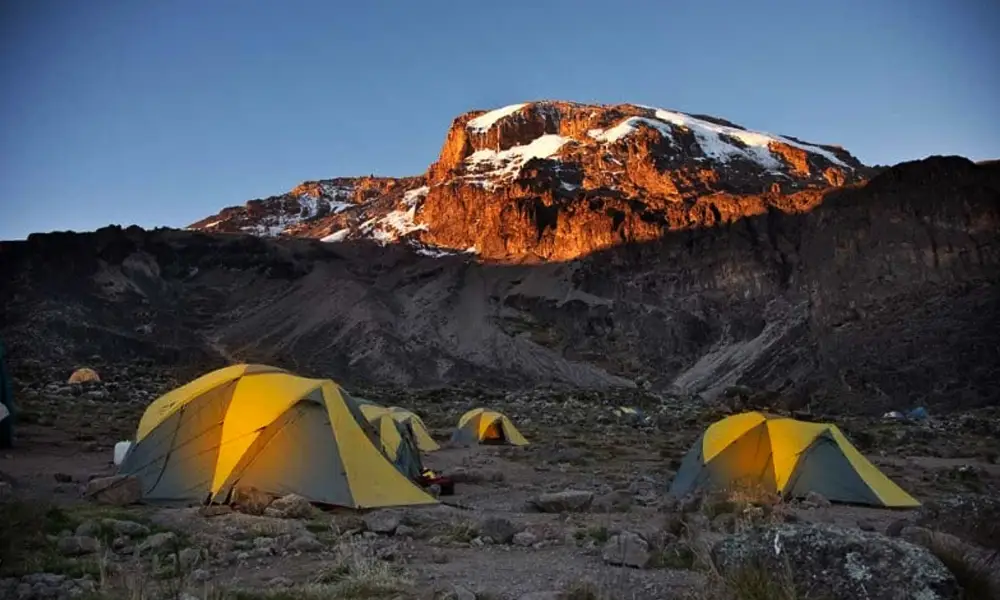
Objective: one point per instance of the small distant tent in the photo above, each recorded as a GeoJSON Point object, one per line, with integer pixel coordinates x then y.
{"type": "Point", "coordinates": [255, 425]}
{"type": "Point", "coordinates": [480, 425]}
{"type": "Point", "coordinates": [83, 375]}
{"type": "Point", "coordinates": [788, 457]}
{"type": "Point", "coordinates": [423, 436]}
{"type": "Point", "coordinates": [395, 438]}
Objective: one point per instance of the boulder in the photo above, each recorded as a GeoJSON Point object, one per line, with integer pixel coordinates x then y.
{"type": "Point", "coordinates": [119, 490]}
{"type": "Point", "coordinates": [77, 545]}
{"type": "Point", "coordinates": [615, 501]}
{"type": "Point", "coordinates": [838, 563]}
{"type": "Point", "coordinates": [159, 542]}
{"type": "Point", "coordinates": [971, 517]}
{"type": "Point", "coordinates": [383, 521]}
{"type": "Point", "coordinates": [251, 500]}
{"type": "Point", "coordinates": [627, 549]}
{"type": "Point", "coordinates": [291, 506]}
{"type": "Point", "coordinates": [498, 529]}
{"type": "Point", "coordinates": [306, 542]}
{"type": "Point", "coordinates": [565, 501]}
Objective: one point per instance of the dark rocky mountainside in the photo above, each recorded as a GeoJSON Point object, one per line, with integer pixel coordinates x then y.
{"type": "Point", "coordinates": [872, 295]}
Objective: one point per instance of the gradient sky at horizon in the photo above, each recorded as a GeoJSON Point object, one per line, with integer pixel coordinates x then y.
{"type": "Point", "coordinates": [161, 113]}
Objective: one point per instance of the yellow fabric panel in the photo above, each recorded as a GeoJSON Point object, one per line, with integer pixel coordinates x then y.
{"type": "Point", "coordinates": [487, 421]}
{"type": "Point", "coordinates": [372, 411]}
{"type": "Point", "coordinates": [722, 433]}
{"type": "Point", "coordinates": [257, 401]}
{"type": "Point", "coordinates": [513, 435]}
{"type": "Point", "coordinates": [164, 406]}
{"type": "Point", "coordinates": [374, 480]}
{"type": "Point", "coordinates": [468, 416]}
{"type": "Point", "coordinates": [789, 438]}
{"type": "Point", "coordinates": [389, 435]}
{"type": "Point", "coordinates": [887, 491]}
{"type": "Point", "coordinates": [424, 440]}
{"type": "Point", "coordinates": [746, 461]}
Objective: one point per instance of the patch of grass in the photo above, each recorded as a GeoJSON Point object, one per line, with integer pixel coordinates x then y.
{"type": "Point", "coordinates": [751, 582]}
{"type": "Point", "coordinates": [599, 533]}
{"type": "Point", "coordinates": [675, 556]}
{"type": "Point", "coordinates": [462, 531]}
{"type": "Point", "coordinates": [24, 530]}
{"type": "Point", "coordinates": [975, 571]}
{"type": "Point", "coordinates": [581, 590]}
{"type": "Point", "coordinates": [356, 572]}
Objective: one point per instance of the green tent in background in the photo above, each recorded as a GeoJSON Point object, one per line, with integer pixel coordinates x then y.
{"type": "Point", "coordinates": [7, 404]}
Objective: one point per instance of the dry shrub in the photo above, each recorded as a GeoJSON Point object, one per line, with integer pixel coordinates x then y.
{"type": "Point", "coordinates": [357, 572]}
{"type": "Point", "coordinates": [752, 581]}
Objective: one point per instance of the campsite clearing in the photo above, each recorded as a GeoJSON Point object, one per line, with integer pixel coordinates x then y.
{"type": "Point", "coordinates": [537, 518]}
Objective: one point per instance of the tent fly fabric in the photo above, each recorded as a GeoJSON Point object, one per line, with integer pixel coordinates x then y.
{"type": "Point", "coordinates": [423, 437]}
{"type": "Point", "coordinates": [788, 457]}
{"type": "Point", "coordinates": [395, 438]}
{"type": "Point", "coordinates": [480, 425]}
{"type": "Point", "coordinates": [255, 425]}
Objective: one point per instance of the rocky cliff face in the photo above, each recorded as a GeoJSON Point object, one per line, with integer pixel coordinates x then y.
{"type": "Point", "coordinates": [884, 296]}
{"type": "Point", "coordinates": [559, 180]}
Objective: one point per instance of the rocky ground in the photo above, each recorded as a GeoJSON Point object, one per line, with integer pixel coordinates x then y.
{"type": "Point", "coordinates": [580, 513]}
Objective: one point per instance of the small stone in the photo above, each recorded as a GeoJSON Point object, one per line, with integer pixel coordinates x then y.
{"type": "Point", "coordinates": [117, 490]}
{"type": "Point", "coordinates": [627, 549]}
{"type": "Point", "coordinates": [500, 530]}
{"type": "Point", "coordinates": [565, 501]}
{"type": "Point", "coordinates": [524, 539]}
{"type": "Point", "coordinates": [815, 500]}
{"type": "Point", "coordinates": [189, 557]}
{"type": "Point", "coordinates": [291, 506]}
{"type": "Point", "coordinates": [127, 528]}
{"type": "Point", "coordinates": [77, 545]}
{"type": "Point", "coordinates": [264, 543]}
{"type": "Point", "coordinates": [896, 527]}
{"type": "Point", "coordinates": [280, 582]}
{"type": "Point", "coordinates": [200, 575]}
{"type": "Point", "coordinates": [382, 521]}
{"type": "Point", "coordinates": [89, 528]}
{"type": "Point", "coordinates": [159, 542]}
{"type": "Point", "coordinates": [63, 478]}
{"type": "Point", "coordinates": [306, 542]}
{"type": "Point", "coordinates": [406, 531]}
{"type": "Point", "coordinates": [866, 525]}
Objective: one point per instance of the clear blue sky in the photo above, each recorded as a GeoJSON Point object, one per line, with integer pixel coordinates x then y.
{"type": "Point", "coordinates": [161, 113]}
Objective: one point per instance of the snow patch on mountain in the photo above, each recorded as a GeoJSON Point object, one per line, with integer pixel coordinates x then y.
{"type": "Point", "coordinates": [491, 168]}
{"type": "Point", "coordinates": [336, 236]}
{"type": "Point", "coordinates": [627, 127]}
{"type": "Point", "coordinates": [485, 121]}
{"type": "Point", "coordinates": [712, 139]}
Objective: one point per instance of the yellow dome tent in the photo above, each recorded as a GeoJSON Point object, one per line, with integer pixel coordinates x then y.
{"type": "Point", "coordinates": [260, 426]}
{"type": "Point", "coordinates": [395, 438]}
{"type": "Point", "coordinates": [480, 425]}
{"type": "Point", "coordinates": [424, 440]}
{"type": "Point", "coordinates": [83, 375]}
{"type": "Point", "coordinates": [788, 457]}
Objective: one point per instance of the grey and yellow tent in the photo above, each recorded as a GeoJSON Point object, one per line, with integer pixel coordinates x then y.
{"type": "Point", "coordinates": [788, 457]}
{"type": "Point", "coordinates": [259, 426]}
{"type": "Point", "coordinates": [395, 438]}
{"type": "Point", "coordinates": [480, 425]}
{"type": "Point", "coordinates": [420, 432]}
